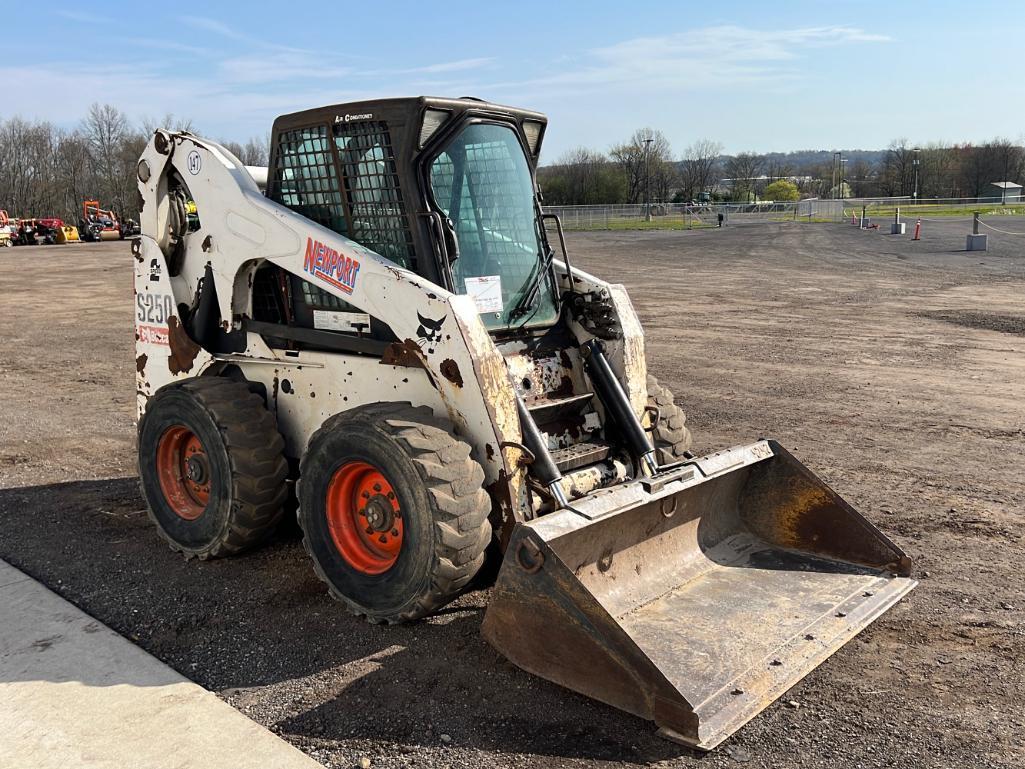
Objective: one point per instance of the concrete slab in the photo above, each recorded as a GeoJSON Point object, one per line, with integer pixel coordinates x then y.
{"type": "Point", "coordinates": [73, 693]}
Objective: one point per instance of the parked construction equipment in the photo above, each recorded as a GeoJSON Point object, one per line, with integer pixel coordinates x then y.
{"type": "Point", "coordinates": [98, 223]}
{"type": "Point", "coordinates": [33, 232]}
{"type": "Point", "coordinates": [389, 326]}
{"type": "Point", "coordinates": [67, 234]}
{"type": "Point", "coordinates": [23, 232]}
{"type": "Point", "coordinates": [6, 230]}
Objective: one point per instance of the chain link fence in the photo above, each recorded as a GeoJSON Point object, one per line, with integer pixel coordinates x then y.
{"type": "Point", "coordinates": [696, 216]}
{"type": "Point", "coordinates": [693, 216]}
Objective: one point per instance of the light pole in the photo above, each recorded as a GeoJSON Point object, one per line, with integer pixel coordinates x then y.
{"type": "Point", "coordinates": [647, 179]}
{"type": "Point", "coordinates": [914, 162]}
{"type": "Point", "coordinates": [842, 161]}
{"type": "Point", "coordinates": [835, 164]}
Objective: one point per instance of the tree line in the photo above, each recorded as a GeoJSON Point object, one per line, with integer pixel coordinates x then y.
{"type": "Point", "coordinates": [639, 169]}
{"type": "Point", "coordinates": [959, 171]}
{"type": "Point", "coordinates": [644, 168]}
{"type": "Point", "coordinates": [47, 170]}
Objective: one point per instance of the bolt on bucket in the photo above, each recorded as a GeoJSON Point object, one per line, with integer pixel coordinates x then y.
{"type": "Point", "coordinates": [697, 597]}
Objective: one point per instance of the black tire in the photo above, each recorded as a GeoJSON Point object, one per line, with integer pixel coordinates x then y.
{"type": "Point", "coordinates": [244, 465]}
{"type": "Point", "coordinates": [440, 500]}
{"type": "Point", "coordinates": [670, 435]}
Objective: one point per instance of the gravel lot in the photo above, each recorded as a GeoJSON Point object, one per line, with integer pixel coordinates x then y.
{"type": "Point", "coordinates": [894, 369]}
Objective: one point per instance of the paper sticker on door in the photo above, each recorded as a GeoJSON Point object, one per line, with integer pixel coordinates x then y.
{"type": "Point", "coordinates": [341, 321]}
{"type": "Point", "coordinates": [486, 292]}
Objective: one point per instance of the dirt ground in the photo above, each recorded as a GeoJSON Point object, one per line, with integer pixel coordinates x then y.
{"type": "Point", "coordinates": [894, 369]}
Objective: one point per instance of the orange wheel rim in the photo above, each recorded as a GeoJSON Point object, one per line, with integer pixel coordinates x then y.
{"type": "Point", "coordinates": [184, 472]}
{"type": "Point", "coordinates": [364, 518]}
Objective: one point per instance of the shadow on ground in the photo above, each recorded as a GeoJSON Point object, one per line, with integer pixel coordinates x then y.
{"type": "Point", "coordinates": [261, 630]}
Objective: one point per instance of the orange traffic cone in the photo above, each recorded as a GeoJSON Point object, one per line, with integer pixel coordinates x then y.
{"type": "Point", "coordinates": [918, 230]}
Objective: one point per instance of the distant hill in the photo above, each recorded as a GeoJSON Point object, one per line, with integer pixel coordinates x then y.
{"type": "Point", "coordinates": [804, 158]}
{"type": "Point", "coordinates": [802, 161]}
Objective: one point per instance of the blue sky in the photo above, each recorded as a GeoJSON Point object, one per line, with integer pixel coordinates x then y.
{"type": "Point", "coordinates": [752, 75]}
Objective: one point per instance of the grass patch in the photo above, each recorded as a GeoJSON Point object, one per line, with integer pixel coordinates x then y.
{"type": "Point", "coordinates": [658, 223]}
{"type": "Point", "coordinates": [928, 212]}
{"type": "Point", "coordinates": [677, 223]}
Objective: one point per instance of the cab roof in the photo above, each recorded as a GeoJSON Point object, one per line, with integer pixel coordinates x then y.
{"type": "Point", "coordinates": [401, 109]}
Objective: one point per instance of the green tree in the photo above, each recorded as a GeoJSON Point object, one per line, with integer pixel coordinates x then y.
{"type": "Point", "coordinates": [782, 189]}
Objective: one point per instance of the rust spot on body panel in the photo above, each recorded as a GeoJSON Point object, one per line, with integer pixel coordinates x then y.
{"type": "Point", "coordinates": [183, 349]}
{"type": "Point", "coordinates": [503, 512]}
{"type": "Point", "coordinates": [450, 370]}
{"type": "Point", "coordinates": [406, 353]}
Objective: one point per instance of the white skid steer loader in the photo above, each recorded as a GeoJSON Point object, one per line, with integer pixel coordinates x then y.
{"type": "Point", "coordinates": [387, 325]}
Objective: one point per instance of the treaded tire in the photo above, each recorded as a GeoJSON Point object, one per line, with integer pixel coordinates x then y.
{"type": "Point", "coordinates": [443, 506]}
{"type": "Point", "coordinates": [247, 467]}
{"type": "Point", "coordinates": [670, 435]}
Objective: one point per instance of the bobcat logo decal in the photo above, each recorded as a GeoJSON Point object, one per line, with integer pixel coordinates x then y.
{"type": "Point", "coordinates": [428, 333]}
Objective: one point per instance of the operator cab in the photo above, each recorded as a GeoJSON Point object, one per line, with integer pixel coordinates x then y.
{"type": "Point", "coordinates": [442, 187]}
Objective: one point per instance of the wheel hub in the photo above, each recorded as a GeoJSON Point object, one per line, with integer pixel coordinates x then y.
{"type": "Point", "coordinates": [184, 472]}
{"type": "Point", "coordinates": [364, 518]}
{"type": "Point", "coordinates": [379, 513]}
{"type": "Point", "coordinates": [196, 469]}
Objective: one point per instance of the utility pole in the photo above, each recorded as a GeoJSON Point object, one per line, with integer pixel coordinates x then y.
{"type": "Point", "coordinates": [647, 179]}
{"type": "Point", "coordinates": [914, 162]}
{"type": "Point", "coordinates": [833, 188]}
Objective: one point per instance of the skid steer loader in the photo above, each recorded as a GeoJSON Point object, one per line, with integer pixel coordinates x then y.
{"type": "Point", "coordinates": [388, 324]}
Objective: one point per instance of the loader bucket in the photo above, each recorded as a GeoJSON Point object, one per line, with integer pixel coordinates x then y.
{"type": "Point", "coordinates": [67, 235]}
{"type": "Point", "coordinates": [697, 597]}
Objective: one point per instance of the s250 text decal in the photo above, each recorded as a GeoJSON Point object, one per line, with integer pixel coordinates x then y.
{"type": "Point", "coordinates": [152, 312]}
{"type": "Point", "coordinates": [329, 265]}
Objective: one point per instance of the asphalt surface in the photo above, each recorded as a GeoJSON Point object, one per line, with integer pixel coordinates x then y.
{"type": "Point", "coordinates": [892, 368]}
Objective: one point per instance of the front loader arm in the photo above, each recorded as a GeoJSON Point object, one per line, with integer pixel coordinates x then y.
{"type": "Point", "coordinates": [239, 228]}
{"type": "Point", "coordinates": [624, 343]}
